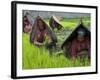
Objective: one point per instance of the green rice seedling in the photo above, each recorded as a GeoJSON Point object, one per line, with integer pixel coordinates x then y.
{"type": "Point", "coordinates": [37, 58]}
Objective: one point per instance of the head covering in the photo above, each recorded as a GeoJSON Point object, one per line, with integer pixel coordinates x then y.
{"type": "Point", "coordinates": [81, 30]}
{"type": "Point", "coordinates": [55, 23]}
{"type": "Point", "coordinates": [35, 28]}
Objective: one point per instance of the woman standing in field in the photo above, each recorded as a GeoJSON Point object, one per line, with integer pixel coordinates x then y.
{"type": "Point", "coordinates": [42, 35]}
{"type": "Point", "coordinates": [78, 43]}
{"type": "Point", "coordinates": [81, 45]}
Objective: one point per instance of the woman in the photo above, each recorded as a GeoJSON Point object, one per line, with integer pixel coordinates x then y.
{"type": "Point", "coordinates": [27, 27]}
{"type": "Point", "coordinates": [42, 35]}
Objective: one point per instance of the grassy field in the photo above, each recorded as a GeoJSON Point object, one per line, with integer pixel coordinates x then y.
{"type": "Point", "coordinates": [35, 58]}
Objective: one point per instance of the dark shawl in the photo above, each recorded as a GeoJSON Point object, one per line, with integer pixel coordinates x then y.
{"type": "Point", "coordinates": [67, 43]}
{"type": "Point", "coordinates": [35, 28]}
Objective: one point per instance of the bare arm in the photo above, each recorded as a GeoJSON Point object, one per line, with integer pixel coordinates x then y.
{"type": "Point", "coordinates": [37, 43]}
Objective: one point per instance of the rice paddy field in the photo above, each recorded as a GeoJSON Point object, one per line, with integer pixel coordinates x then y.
{"type": "Point", "coordinates": [37, 58]}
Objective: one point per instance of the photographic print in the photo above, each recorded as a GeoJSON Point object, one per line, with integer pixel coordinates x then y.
{"type": "Point", "coordinates": [53, 39]}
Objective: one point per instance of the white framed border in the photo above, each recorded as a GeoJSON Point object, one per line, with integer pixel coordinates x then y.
{"type": "Point", "coordinates": [53, 71]}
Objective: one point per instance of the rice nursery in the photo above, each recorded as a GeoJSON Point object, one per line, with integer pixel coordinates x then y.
{"type": "Point", "coordinates": [37, 58]}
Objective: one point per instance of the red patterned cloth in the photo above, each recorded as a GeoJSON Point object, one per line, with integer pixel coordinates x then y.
{"type": "Point", "coordinates": [78, 46]}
